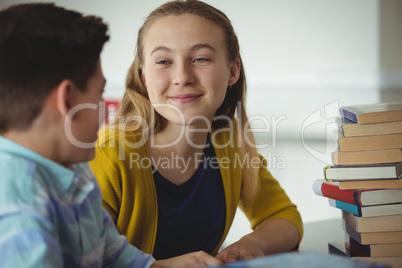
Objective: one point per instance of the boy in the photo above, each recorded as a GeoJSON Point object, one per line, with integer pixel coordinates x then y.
{"type": "Point", "coordinates": [51, 85]}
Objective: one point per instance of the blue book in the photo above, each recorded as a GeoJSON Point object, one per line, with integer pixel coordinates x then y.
{"type": "Point", "coordinates": [368, 211]}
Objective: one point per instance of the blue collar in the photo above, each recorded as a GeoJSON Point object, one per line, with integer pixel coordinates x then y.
{"type": "Point", "coordinates": [62, 177]}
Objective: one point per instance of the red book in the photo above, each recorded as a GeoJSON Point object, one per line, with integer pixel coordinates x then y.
{"type": "Point", "coordinates": [357, 197]}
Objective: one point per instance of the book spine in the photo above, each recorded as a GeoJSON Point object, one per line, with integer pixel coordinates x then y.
{"type": "Point", "coordinates": [338, 248]}
{"type": "Point", "coordinates": [357, 248]}
{"type": "Point", "coordinates": [349, 115]}
{"type": "Point", "coordinates": [332, 191]}
{"type": "Point", "coordinates": [345, 207]}
{"type": "Point", "coordinates": [351, 232]}
{"type": "Point", "coordinates": [357, 198]}
{"type": "Point", "coordinates": [351, 220]}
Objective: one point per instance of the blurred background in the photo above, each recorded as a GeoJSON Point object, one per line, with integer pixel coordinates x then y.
{"type": "Point", "coordinates": [303, 60]}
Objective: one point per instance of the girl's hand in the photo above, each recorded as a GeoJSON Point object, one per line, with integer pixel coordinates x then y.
{"type": "Point", "coordinates": [272, 236]}
{"type": "Point", "coordinates": [199, 258]}
{"type": "Point", "coordinates": [244, 249]}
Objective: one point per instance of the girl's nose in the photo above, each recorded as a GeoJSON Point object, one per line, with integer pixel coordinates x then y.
{"type": "Point", "coordinates": [183, 74]}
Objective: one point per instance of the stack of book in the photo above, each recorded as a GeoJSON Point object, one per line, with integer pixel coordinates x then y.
{"type": "Point", "coordinates": [365, 182]}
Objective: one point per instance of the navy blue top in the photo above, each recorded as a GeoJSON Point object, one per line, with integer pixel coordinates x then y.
{"type": "Point", "coordinates": [191, 216]}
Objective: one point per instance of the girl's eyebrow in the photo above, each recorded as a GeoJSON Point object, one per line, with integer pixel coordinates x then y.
{"type": "Point", "coordinates": [193, 48]}
{"type": "Point", "coordinates": [199, 46]}
{"type": "Point", "coordinates": [163, 48]}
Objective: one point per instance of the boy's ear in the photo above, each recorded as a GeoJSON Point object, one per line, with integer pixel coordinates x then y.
{"type": "Point", "coordinates": [65, 93]}
{"type": "Point", "coordinates": [234, 72]}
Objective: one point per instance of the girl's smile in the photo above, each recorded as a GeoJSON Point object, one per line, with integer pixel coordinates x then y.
{"type": "Point", "coordinates": [185, 98]}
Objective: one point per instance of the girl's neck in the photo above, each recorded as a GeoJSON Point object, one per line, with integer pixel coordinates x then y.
{"type": "Point", "coordinates": [181, 139]}
{"type": "Point", "coordinates": [183, 143]}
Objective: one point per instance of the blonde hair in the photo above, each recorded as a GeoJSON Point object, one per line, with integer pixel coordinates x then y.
{"type": "Point", "coordinates": [136, 105]}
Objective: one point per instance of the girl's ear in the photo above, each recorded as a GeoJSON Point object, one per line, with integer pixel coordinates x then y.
{"type": "Point", "coordinates": [234, 72]}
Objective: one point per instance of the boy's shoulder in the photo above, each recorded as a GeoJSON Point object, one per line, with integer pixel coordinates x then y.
{"type": "Point", "coordinates": [32, 184]}
{"type": "Point", "coordinates": [26, 175]}
{"type": "Point", "coordinates": [13, 166]}
{"type": "Point", "coordinates": [19, 180]}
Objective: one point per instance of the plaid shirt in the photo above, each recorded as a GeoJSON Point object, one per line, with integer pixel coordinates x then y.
{"type": "Point", "coordinates": [52, 216]}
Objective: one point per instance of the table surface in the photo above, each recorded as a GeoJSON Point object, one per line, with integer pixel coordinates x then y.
{"type": "Point", "coordinates": [313, 251]}
{"type": "Point", "coordinates": [318, 234]}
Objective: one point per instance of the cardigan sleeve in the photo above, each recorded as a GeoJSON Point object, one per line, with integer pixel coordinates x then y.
{"type": "Point", "coordinates": [271, 201]}
{"type": "Point", "coordinates": [108, 180]}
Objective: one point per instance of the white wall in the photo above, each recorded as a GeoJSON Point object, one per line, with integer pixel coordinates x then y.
{"type": "Point", "coordinates": [298, 55]}
{"type": "Point", "coordinates": [300, 58]}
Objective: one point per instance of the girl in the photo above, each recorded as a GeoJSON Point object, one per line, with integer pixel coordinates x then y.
{"type": "Point", "coordinates": [178, 162]}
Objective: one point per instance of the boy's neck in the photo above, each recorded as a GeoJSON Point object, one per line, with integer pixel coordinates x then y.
{"type": "Point", "coordinates": [40, 139]}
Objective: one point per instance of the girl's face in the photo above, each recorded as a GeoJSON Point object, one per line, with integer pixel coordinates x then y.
{"type": "Point", "coordinates": [186, 71]}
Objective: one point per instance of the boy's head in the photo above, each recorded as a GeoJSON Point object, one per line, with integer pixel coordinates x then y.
{"type": "Point", "coordinates": [40, 46]}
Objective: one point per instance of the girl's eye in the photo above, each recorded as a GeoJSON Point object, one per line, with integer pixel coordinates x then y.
{"type": "Point", "coordinates": [201, 60]}
{"type": "Point", "coordinates": [162, 62]}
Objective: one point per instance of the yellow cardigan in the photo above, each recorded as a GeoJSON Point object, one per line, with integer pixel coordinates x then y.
{"type": "Point", "coordinates": [129, 193]}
